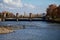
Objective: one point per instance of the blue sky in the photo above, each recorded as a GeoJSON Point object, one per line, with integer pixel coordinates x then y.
{"type": "Point", "coordinates": [21, 6]}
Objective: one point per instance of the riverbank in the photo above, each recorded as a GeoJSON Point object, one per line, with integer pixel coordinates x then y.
{"type": "Point", "coordinates": [57, 20]}
{"type": "Point", "coordinates": [4, 30]}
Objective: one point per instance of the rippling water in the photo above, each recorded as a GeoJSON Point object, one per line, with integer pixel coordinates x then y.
{"type": "Point", "coordinates": [34, 30]}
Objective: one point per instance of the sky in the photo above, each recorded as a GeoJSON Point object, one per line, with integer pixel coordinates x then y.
{"type": "Point", "coordinates": [27, 6]}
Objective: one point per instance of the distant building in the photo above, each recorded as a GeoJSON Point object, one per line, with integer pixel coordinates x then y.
{"type": "Point", "coordinates": [25, 15]}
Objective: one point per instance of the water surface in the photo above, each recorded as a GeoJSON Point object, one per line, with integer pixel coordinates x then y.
{"type": "Point", "coordinates": [34, 30]}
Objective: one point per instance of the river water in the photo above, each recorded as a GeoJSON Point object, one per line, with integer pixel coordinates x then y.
{"type": "Point", "coordinates": [34, 30]}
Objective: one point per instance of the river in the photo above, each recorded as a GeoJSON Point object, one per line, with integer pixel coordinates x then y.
{"type": "Point", "coordinates": [34, 30]}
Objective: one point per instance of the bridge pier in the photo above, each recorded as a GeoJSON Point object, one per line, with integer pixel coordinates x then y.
{"type": "Point", "coordinates": [3, 19]}
{"type": "Point", "coordinates": [30, 15]}
{"type": "Point", "coordinates": [16, 19]}
{"type": "Point", "coordinates": [17, 16]}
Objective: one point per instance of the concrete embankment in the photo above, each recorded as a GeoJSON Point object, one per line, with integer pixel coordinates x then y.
{"type": "Point", "coordinates": [9, 29]}
{"type": "Point", "coordinates": [4, 30]}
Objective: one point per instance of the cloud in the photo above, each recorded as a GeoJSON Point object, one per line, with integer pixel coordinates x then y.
{"type": "Point", "coordinates": [5, 6]}
{"type": "Point", "coordinates": [29, 5]}
{"type": "Point", "coordinates": [1, 5]}
{"type": "Point", "coordinates": [14, 3]}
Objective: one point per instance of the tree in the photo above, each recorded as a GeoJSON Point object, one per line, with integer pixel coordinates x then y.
{"type": "Point", "coordinates": [51, 11]}
{"type": "Point", "coordinates": [58, 15]}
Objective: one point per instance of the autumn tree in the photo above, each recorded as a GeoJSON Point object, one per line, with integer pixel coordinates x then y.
{"type": "Point", "coordinates": [51, 11]}
{"type": "Point", "coordinates": [58, 12]}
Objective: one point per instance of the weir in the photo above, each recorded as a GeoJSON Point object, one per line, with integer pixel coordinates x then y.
{"type": "Point", "coordinates": [23, 19]}
{"type": "Point", "coordinates": [17, 18]}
